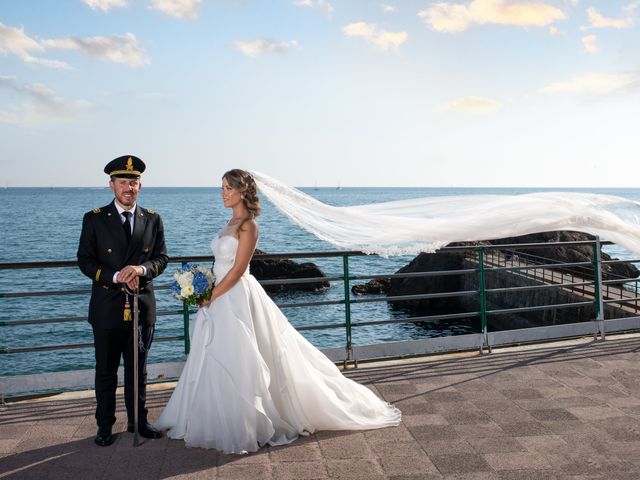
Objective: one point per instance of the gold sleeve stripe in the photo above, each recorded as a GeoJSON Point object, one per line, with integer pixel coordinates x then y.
{"type": "Point", "coordinates": [98, 274]}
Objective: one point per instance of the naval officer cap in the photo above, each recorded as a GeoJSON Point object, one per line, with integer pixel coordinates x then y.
{"type": "Point", "coordinates": [127, 166]}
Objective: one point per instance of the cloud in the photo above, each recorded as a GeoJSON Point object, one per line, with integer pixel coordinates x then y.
{"type": "Point", "coordinates": [39, 102]}
{"type": "Point", "coordinates": [371, 33]}
{"type": "Point", "coordinates": [553, 30]}
{"type": "Point", "coordinates": [594, 83]}
{"type": "Point", "coordinates": [14, 41]}
{"type": "Point", "coordinates": [187, 9]}
{"type": "Point", "coordinates": [262, 45]}
{"type": "Point", "coordinates": [7, 117]}
{"type": "Point", "coordinates": [117, 48]}
{"type": "Point", "coordinates": [630, 8]}
{"type": "Point", "coordinates": [450, 17]}
{"type": "Point", "coordinates": [590, 43]}
{"type": "Point", "coordinates": [471, 105]}
{"type": "Point", "coordinates": [322, 5]}
{"type": "Point", "coordinates": [597, 20]}
{"type": "Point", "coordinates": [388, 8]}
{"type": "Point", "coordinates": [105, 5]}
{"type": "Point", "coordinates": [445, 17]}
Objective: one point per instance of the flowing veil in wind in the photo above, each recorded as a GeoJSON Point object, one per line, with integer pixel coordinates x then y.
{"type": "Point", "coordinates": [426, 224]}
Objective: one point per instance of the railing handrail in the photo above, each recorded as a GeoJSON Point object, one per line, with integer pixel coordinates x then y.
{"type": "Point", "coordinates": [183, 259]}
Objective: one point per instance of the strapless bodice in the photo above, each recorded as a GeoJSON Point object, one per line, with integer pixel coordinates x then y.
{"type": "Point", "coordinates": [224, 248]}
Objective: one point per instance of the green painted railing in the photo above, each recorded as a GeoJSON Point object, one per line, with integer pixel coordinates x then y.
{"type": "Point", "coordinates": [347, 306]}
{"type": "Point", "coordinates": [482, 295]}
{"type": "Point", "coordinates": [185, 322]}
{"type": "Point", "coordinates": [490, 258]}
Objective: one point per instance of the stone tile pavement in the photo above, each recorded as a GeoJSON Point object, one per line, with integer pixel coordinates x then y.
{"type": "Point", "coordinates": [568, 410]}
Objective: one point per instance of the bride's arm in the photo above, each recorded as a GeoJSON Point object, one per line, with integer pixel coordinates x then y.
{"type": "Point", "coordinates": [248, 238]}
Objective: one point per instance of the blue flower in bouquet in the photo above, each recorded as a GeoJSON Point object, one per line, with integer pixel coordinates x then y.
{"type": "Point", "coordinates": [200, 283]}
{"type": "Point", "coordinates": [192, 283]}
{"type": "Point", "coordinates": [175, 288]}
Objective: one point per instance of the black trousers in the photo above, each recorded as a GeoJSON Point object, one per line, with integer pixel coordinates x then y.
{"type": "Point", "coordinates": [111, 344]}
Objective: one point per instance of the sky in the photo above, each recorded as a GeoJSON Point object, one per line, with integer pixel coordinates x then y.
{"type": "Point", "coordinates": [400, 93]}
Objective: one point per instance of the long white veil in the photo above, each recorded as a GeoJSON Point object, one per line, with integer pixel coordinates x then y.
{"type": "Point", "coordinates": [426, 224]}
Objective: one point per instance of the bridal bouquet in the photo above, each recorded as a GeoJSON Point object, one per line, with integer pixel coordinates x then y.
{"type": "Point", "coordinates": [192, 283]}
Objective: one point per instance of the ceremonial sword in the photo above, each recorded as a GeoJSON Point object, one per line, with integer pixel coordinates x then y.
{"type": "Point", "coordinates": [136, 340]}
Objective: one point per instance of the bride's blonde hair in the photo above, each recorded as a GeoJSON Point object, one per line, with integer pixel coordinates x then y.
{"type": "Point", "coordinates": [242, 181]}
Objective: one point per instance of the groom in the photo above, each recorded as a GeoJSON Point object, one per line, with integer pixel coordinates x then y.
{"type": "Point", "coordinates": [121, 245]}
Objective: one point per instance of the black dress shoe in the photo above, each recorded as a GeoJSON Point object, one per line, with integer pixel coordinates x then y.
{"type": "Point", "coordinates": [104, 437]}
{"type": "Point", "coordinates": [145, 430]}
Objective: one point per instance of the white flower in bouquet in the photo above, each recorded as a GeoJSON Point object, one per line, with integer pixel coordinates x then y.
{"type": "Point", "coordinates": [193, 283]}
{"type": "Point", "coordinates": [185, 279]}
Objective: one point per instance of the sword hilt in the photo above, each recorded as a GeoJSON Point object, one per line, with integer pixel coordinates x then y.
{"type": "Point", "coordinates": [128, 291]}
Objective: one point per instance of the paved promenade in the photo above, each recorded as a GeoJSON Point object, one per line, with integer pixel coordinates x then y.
{"type": "Point", "coordinates": [558, 411]}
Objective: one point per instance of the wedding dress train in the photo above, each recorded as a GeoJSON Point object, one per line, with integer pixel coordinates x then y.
{"type": "Point", "coordinates": [251, 379]}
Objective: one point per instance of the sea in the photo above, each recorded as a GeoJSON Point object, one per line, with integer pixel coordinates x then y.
{"type": "Point", "coordinates": [43, 224]}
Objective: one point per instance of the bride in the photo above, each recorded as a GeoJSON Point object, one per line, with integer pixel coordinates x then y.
{"type": "Point", "coordinates": [251, 379]}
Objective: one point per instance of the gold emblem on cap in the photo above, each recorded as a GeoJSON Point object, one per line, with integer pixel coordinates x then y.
{"type": "Point", "coordinates": [129, 169]}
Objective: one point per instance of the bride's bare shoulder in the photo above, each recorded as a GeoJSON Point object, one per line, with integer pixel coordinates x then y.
{"type": "Point", "coordinates": [249, 227]}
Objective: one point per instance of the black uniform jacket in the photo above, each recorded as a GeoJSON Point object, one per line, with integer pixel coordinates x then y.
{"type": "Point", "coordinates": [103, 251]}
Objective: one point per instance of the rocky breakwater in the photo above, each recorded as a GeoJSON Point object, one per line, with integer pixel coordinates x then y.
{"type": "Point", "coordinates": [278, 268]}
{"type": "Point", "coordinates": [461, 260]}
{"type": "Point", "coordinates": [430, 262]}
{"type": "Point", "coordinates": [567, 254]}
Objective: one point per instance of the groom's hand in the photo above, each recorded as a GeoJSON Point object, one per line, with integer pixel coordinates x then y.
{"type": "Point", "coordinates": [133, 284]}
{"type": "Point", "coordinates": [130, 273]}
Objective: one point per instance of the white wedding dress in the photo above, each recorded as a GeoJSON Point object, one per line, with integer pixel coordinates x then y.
{"type": "Point", "coordinates": [251, 379]}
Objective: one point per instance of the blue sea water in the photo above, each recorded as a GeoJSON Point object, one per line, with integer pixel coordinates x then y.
{"type": "Point", "coordinates": [43, 224]}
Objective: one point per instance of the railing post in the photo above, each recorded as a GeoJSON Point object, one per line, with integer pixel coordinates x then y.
{"type": "Point", "coordinates": [483, 302]}
{"type": "Point", "coordinates": [597, 285]}
{"type": "Point", "coordinates": [185, 323]}
{"type": "Point", "coordinates": [347, 308]}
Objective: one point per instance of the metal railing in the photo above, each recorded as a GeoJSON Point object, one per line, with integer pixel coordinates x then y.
{"type": "Point", "coordinates": [572, 276]}
{"type": "Point", "coordinates": [481, 261]}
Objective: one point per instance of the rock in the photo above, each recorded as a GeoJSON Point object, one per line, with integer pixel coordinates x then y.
{"type": "Point", "coordinates": [375, 286]}
{"type": "Point", "coordinates": [570, 254]}
{"type": "Point", "coordinates": [430, 262]}
{"type": "Point", "coordinates": [443, 261]}
{"type": "Point", "coordinates": [272, 269]}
